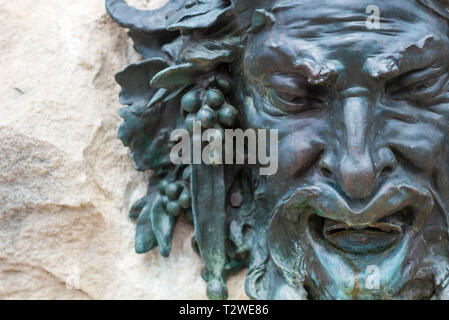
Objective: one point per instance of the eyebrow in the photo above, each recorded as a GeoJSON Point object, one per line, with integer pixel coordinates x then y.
{"type": "Point", "coordinates": [421, 74]}
{"type": "Point", "coordinates": [316, 72]}
{"type": "Point", "coordinates": [392, 65]}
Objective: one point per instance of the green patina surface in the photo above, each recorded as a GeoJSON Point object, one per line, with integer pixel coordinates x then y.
{"type": "Point", "coordinates": [362, 116]}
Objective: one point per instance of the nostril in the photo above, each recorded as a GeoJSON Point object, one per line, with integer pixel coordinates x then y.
{"type": "Point", "coordinates": [325, 165]}
{"type": "Point", "coordinates": [326, 172]}
{"type": "Point", "coordinates": [388, 169]}
{"type": "Point", "coordinates": [387, 163]}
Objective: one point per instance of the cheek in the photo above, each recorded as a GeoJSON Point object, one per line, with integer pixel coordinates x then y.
{"type": "Point", "coordinates": [421, 144]}
{"type": "Point", "coordinates": [301, 136]}
{"type": "Point", "coordinates": [298, 152]}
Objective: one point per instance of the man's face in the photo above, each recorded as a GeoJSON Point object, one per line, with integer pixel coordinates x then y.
{"type": "Point", "coordinates": [362, 116]}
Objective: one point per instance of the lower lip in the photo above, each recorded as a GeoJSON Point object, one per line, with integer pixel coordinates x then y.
{"type": "Point", "coordinates": [356, 241]}
{"type": "Point", "coordinates": [362, 241]}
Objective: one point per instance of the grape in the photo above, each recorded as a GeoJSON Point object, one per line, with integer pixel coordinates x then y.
{"type": "Point", "coordinates": [214, 98]}
{"type": "Point", "coordinates": [189, 122]}
{"type": "Point", "coordinates": [173, 190]}
{"type": "Point", "coordinates": [164, 201]}
{"type": "Point", "coordinates": [162, 185]}
{"type": "Point", "coordinates": [174, 209]}
{"type": "Point", "coordinates": [227, 115]}
{"type": "Point", "coordinates": [223, 83]}
{"type": "Point", "coordinates": [187, 173]}
{"type": "Point", "coordinates": [190, 102]}
{"type": "Point", "coordinates": [207, 116]}
{"type": "Point", "coordinates": [185, 199]}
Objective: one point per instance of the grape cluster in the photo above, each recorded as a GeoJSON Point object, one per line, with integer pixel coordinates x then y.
{"type": "Point", "coordinates": [175, 196]}
{"type": "Point", "coordinates": [209, 107]}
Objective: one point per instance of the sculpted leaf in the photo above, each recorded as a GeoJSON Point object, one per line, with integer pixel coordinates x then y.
{"type": "Point", "coordinates": [163, 225]}
{"type": "Point", "coordinates": [135, 82]}
{"type": "Point", "coordinates": [202, 15]}
{"type": "Point", "coordinates": [145, 237]}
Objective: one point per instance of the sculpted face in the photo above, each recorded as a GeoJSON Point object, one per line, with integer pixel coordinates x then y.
{"type": "Point", "coordinates": [362, 115]}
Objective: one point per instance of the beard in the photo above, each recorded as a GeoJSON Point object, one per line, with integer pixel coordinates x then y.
{"type": "Point", "coordinates": [393, 247]}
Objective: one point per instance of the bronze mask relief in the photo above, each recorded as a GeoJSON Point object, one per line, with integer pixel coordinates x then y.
{"type": "Point", "coordinates": [358, 206]}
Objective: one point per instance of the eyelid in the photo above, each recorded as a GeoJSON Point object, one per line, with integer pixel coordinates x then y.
{"type": "Point", "coordinates": [435, 85]}
{"type": "Point", "coordinates": [286, 107]}
{"type": "Point", "coordinates": [417, 76]}
{"type": "Point", "coordinates": [434, 88]}
{"type": "Point", "coordinates": [270, 107]}
{"type": "Point", "coordinates": [423, 91]}
{"type": "Point", "coordinates": [297, 93]}
{"type": "Point", "coordinates": [289, 83]}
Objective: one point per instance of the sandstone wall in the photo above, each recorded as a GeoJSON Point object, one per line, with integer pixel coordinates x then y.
{"type": "Point", "coordinates": [66, 181]}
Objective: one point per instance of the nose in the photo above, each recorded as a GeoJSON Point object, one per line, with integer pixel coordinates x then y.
{"type": "Point", "coordinates": [353, 165]}
{"type": "Point", "coordinates": [357, 175]}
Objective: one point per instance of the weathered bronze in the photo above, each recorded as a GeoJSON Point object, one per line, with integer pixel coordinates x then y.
{"type": "Point", "coordinates": [359, 206]}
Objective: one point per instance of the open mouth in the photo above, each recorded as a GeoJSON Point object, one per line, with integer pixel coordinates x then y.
{"type": "Point", "coordinates": [374, 237]}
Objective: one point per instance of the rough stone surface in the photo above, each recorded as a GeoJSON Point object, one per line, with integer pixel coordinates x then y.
{"type": "Point", "coordinates": [66, 181]}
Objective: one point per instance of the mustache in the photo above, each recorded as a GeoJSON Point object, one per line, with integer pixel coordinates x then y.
{"type": "Point", "coordinates": [326, 202]}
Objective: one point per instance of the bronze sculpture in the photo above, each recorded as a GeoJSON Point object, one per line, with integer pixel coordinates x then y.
{"type": "Point", "coordinates": [358, 207]}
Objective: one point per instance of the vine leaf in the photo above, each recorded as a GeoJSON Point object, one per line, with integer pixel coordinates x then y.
{"type": "Point", "coordinates": [145, 237]}
{"type": "Point", "coordinates": [203, 15]}
{"type": "Point", "coordinates": [145, 138]}
{"type": "Point", "coordinates": [154, 225]}
{"type": "Point", "coordinates": [134, 80]}
{"type": "Point", "coordinates": [145, 130]}
{"type": "Point", "coordinates": [150, 45]}
{"type": "Point", "coordinates": [175, 76]}
{"type": "Point", "coordinates": [163, 225]}
{"type": "Point", "coordinates": [209, 53]}
{"type": "Point", "coordinates": [137, 207]}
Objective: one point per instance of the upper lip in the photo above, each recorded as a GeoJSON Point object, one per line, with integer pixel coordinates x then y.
{"type": "Point", "coordinates": [371, 228]}
{"type": "Point", "coordinates": [374, 237]}
{"type": "Point", "coordinates": [385, 227]}
{"type": "Point", "coordinates": [390, 199]}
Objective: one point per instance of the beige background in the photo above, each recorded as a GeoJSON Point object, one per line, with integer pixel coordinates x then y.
{"type": "Point", "coordinates": [66, 181]}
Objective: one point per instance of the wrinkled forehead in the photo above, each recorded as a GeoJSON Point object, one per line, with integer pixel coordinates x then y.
{"type": "Point", "coordinates": [318, 17]}
{"type": "Point", "coordinates": [336, 30]}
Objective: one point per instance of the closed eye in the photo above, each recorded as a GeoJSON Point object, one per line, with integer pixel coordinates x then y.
{"type": "Point", "coordinates": [295, 99]}
{"type": "Point", "coordinates": [300, 101]}
{"type": "Point", "coordinates": [419, 86]}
